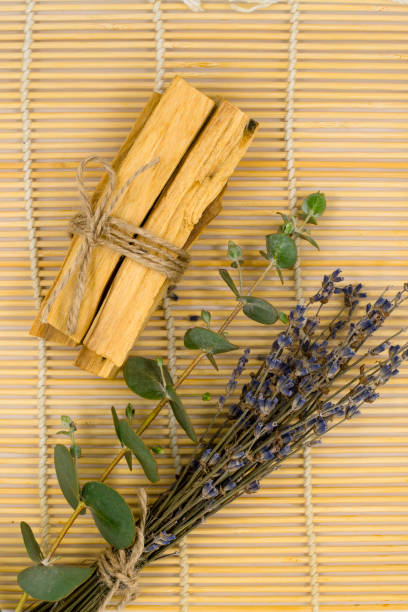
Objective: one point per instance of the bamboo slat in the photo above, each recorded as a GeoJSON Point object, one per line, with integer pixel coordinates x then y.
{"type": "Point", "coordinates": [92, 71]}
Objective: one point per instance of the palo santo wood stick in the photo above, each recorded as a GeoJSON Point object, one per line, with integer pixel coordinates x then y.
{"type": "Point", "coordinates": [136, 290]}
{"type": "Point", "coordinates": [97, 364]}
{"type": "Point", "coordinates": [167, 133]}
{"type": "Point", "coordinates": [45, 330]}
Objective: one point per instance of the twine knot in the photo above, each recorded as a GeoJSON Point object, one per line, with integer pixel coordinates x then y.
{"type": "Point", "coordinates": [98, 228]}
{"type": "Point", "coordinates": [119, 569]}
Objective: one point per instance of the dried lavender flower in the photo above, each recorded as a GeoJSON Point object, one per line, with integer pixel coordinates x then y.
{"type": "Point", "coordinates": [290, 402]}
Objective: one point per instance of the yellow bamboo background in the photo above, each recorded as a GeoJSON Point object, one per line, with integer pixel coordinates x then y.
{"type": "Point", "coordinates": [93, 67]}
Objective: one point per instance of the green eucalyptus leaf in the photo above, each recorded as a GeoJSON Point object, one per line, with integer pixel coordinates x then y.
{"type": "Point", "coordinates": [283, 317]}
{"type": "Point", "coordinates": [226, 277]}
{"type": "Point", "coordinates": [128, 454]}
{"type": "Point", "coordinates": [211, 359]}
{"type": "Point", "coordinates": [130, 412]}
{"type": "Point", "coordinates": [284, 217]}
{"type": "Point", "coordinates": [111, 514]}
{"type": "Point", "coordinates": [66, 475]}
{"type": "Point", "coordinates": [206, 317]}
{"type": "Point", "coordinates": [157, 450]}
{"type": "Point", "coordinates": [282, 249]}
{"type": "Point", "coordinates": [52, 582]}
{"type": "Point", "coordinates": [75, 451]}
{"type": "Point", "coordinates": [279, 271]}
{"type": "Point", "coordinates": [309, 239]}
{"type": "Point", "coordinates": [288, 225]}
{"type": "Point", "coordinates": [234, 251]}
{"type": "Point", "coordinates": [207, 340]}
{"type": "Point", "coordinates": [139, 448]}
{"type": "Point", "coordinates": [66, 420]}
{"type": "Point", "coordinates": [180, 413]}
{"type": "Point", "coordinates": [143, 377]}
{"type": "Point", "coordinates": [129, 459]}
{"type": "Point", "coordinates": [260, 310]}
{"type": "Point", "coordinates": [314, 205]}
{"type": "Point", "coordinates": [115, 419]}
{"type": "Point", "coordinates": [31, 545]}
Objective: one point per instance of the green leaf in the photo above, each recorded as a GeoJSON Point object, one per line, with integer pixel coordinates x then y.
{"type": "Point", "coordinates": [206, 317]}
{"type": "Point", "coordinates": [314, 205]}
{"type": "Point", "coordinates": [211, 359]}
{"type": "Point", "coordinates": [75, 451]}
{"type": "Point", "coordinates": [66, 420]}
{"type": "Point", "coordinates": [207, 340]}
{"type": "Point", "coordinates": [260, 310]}
{"type": "Point", "coordinates": [283, 317]}
{"type": "Point", "coordinates": [279, 271]}
{"type": "Point", "coordinates": [130, 411]}
{"type": "Point", "coordinates": [66, 475]}
{"type": "Point", "coordinates": [31, 545]}
{"type": "Point", "coordinates": [206, 396]}
{"type": "Point", "coordinates": [284, 217]}
{"type": "Point", "coordinates": [226, 277]}
{"type": "Point", "coordinates": [140, 450]}
{"type": "Point", "coordinates": [128, 454]}
{"type": "Point", "coordinates": [157, 450]}
{"type": "Point", "coordinates": [52, 582]}
{"type": "Point", "coordinates": [129, 459]}
{"type": "Point", "coordinates": [234, 251]}
{"type": "Point", "coordinates": [143, 377]}
{"type": "Point", "coordinates": [115, 419]}
{"type": "Point", "coordinates": [288, 225]}
{"type": "Point", "coordinates": [111, 514]}
{"type": "Point", "coordinates": [180, 413]}
{"type": "Point", "coordinates": [64, 432]}
{"type": "Point", "coordinates": [282, 249]}
{"type": "Point", "coordinates": [309, 239]}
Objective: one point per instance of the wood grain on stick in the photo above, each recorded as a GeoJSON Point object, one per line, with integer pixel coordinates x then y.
{"type": "Point", "coordinates": [136, 291]}
{"type": "Point", "coordinates": [165, 130]}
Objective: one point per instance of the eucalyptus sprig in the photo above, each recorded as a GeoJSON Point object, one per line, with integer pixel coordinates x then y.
{"type": "Point", "coordinates": [281, 254]}
{"type": "Point", "coordinates": [150, 379]}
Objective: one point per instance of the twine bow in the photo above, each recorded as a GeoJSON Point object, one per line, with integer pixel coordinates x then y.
{"type": "Point", "coordinates": [98, 228]}
{"type": "Point", "coordinates": [119, 569]}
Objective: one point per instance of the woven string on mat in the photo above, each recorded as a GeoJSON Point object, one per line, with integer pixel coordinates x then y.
{"type": "Point", "coordinates": [170, 326]}
{"type": "Point", "coordinates": [34, 266]}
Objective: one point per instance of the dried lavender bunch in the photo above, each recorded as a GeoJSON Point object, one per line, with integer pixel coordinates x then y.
{"type": "Point", "coordinates": [295, 397]}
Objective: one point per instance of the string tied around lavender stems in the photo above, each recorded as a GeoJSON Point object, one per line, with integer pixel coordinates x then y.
{"type": "Point", "coordinates": [118, 569]}
{"type": "Point", "coordinates": [98, 228]}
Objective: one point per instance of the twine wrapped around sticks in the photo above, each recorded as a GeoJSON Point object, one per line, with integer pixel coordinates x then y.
{"type": "Point", "coordinates": [98, 228]}
{"type": "Point", "coordinates": [118, 569]}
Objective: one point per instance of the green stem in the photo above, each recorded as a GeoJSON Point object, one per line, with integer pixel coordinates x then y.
{"type": "Point", "coordinates": [305, 221]}
{"type": "Point", "coordinates": [241, 285]}
{"type": "Point", "coordinates": [21, 603]}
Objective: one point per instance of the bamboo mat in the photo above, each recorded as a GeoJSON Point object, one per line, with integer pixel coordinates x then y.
{"type": "Point", "coordinates": [93, 67]}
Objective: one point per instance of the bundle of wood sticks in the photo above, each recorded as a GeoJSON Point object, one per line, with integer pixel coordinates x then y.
{"type": "Point", "coordinates": [198, 141]}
